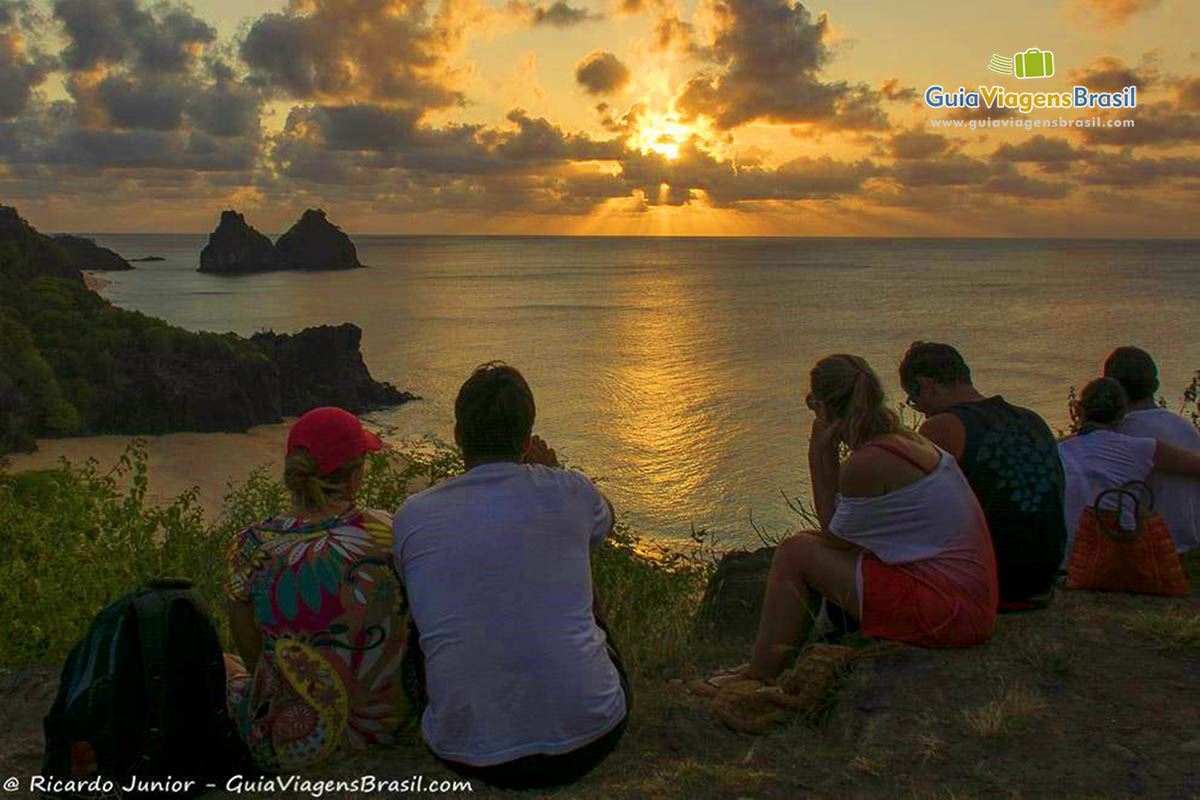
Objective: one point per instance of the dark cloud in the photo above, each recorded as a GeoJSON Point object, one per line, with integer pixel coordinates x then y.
{"type": "Point", "coordinates": [764, 63]}
{"type": "Point", "coordinates": [1156, 125]}
{"type": "Point", "coordinates": [952, 170]}
{"type": "Point", "coordinates": [917, 143]}
{"type": "Point", "coordinates": [601, 72]}
{"type": "Point", "coordinates": [1051, 155]}
{"type": "Point", "coordinates": [1110, 74]}
{"type": "Point", "coordinates": [161, 38]}
{"type": "Point", "coordinates": [562, 15]}
{"type": "Point", "coordinates": [383, 50]}
{"type": "Point", "coordinates": [891, 89]}
{"type": "Point", "coordinates": [225, 108]}
{"type": "Point", "coordinates": [23, 66]}
{"type": "Point", "coordinates": [1127, 171]}
{"type": "Point", "coordinates": [1187, 94]}
{"type": "Point", "coordinates": [149, 103]}
{"type": "Point", "coordinates": [672, 33]}
{"type": "Point", "coordinates": [1007, 180]}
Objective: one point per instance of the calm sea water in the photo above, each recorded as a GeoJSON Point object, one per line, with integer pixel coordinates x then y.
{"type": "Point", "coordinates": [675, 368]}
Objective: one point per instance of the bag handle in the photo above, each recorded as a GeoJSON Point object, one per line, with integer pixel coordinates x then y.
{"type": "Point", "coordinates": [1143, 487]}
{"type": "Point", "coordinates": [1119, 534]}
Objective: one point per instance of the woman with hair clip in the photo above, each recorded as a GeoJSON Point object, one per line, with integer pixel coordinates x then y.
{"type": "Point", "coordinates": [315, 609]}
{"type": "Point", "coordinates": [903, 544]}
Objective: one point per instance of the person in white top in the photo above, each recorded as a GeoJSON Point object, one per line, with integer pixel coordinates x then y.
{"type": "Point", "coordinates": [1177, 497]}
{"type": "Point", "coordinates": [903, 546]}
{"type": "Point", "coordinates": [525, 688]}
{"type": "Point", "coordinates": [1099, 457]}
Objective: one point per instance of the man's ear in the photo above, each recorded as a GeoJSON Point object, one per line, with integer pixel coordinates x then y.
{"type": "Point", "coordinates": [457, 436]}
{"type": "Point", "coordinates": [525, 447]}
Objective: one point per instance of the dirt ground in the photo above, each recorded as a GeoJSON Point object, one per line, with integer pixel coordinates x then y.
{"type": "Point", "coordinates": [1096, 697]}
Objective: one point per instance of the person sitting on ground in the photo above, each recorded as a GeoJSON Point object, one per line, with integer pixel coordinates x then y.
{"type": "Point", "coordinates": [315, 608]}
{"type": "Point", "coordinates": [524, 685]}
{"type": "Point", "coordinates": [1010, 458]}
{"type": "Point", "coordinates": [1177, 497]}
{"type": "Point", "coordinates": [903, 544]}
{"type": "Point", "coordinates": [1099, 457]}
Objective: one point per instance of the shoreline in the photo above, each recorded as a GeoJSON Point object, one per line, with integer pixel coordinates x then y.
{"type": "Point", "coordinates": [93, 281]}
{"type": "Point", "coordinates": [176, 461]}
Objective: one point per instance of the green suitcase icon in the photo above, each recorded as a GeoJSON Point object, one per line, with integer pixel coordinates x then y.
{"type": "Point", "coordinates": [1034, 63]}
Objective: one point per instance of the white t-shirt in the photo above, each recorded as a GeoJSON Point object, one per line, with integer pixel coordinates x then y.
{"type": "Point", "coordinates": [1177, 497]}
{"type": "Point", "coordinates": [1097, 461]}
{"type": "Point", "coordinates": [497, 567]}
{"type": "Point", "coordinates": [935, 522]}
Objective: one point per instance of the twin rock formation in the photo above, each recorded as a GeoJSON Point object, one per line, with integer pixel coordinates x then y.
{"type": "Point", "coordinates": [313, 243]}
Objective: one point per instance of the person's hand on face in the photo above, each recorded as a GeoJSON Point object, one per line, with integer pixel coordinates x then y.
{"type": "Point", "coordinates": [823, 434]}
{"type": "Point", "coordinates": [539, 452]}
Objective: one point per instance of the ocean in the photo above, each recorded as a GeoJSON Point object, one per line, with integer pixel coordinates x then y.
{"type": "Point", "coordinates": [674, 369]}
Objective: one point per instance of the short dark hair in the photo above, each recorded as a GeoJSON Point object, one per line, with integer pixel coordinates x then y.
{"type": "Point", "coordinates": [941, 363]}
{"type": "Point", "coordinates": [494, 412]}
{"type": "Point", "coordinates": [1103, 401]}
{"type": "Point", "coordinates": [1135, 370]}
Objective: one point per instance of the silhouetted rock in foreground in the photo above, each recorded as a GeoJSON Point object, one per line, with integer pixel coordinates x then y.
{"type": "Point", "coordinates": [316, 243]}
{"type": "Point", "coordinates": [88, 255]}
{"type": "Point", "coordinates": [235, 246]}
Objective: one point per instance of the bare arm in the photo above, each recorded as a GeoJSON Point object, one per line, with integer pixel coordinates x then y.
{"type": "Point", "coordinates": [823, 469]}
{"type": "Point", "coordinates": [947, 432]}
{"type": "Point", "coordinates": [1177, 460]}
{"type": "Point", "coordinates": [247, 639]}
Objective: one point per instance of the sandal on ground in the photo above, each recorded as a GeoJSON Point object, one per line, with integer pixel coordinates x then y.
{"type": "Point", "coordinates": [712, 686]}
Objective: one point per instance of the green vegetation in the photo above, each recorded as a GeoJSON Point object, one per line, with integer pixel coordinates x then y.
{"type": "Point", "coordinates": [77, 538]}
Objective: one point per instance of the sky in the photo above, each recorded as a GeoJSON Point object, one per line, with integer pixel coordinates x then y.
{"type": "Point", "coordinates": [596, 117]}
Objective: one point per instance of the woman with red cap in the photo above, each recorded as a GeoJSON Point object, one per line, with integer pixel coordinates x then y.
{"type": "Point", "coordinates": [315, 609]}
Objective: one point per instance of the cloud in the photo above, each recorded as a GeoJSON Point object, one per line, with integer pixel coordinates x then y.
{"type": "Point", "coordinates": [601, 72]}
{"type": "Point", "coordinates": [562, 15]}
{"type": "Point", "coordinates": [1187, 94]}
{"type": "Point", "coordinates": [891, 89]}
{"type": "Point", "coordinates": [982, 112]}
{"type": "Point", "coordinates": [953, 170]}
{"type": "Point", "coordinates": [1008, 181]}
{"type": "Point", "coordinates": [917, 143]}
{"type": "Point", "coordinates": [1051, 155]}
{"type": "Point", "coordinates": [1156, 125]}
{"type": "Point", "coordinates": [1108, 74]}
{"type": "Point", "coordinates": [1114, 13]}
{"type": "Point", "coordinates": [386, 51]}
{"type": "Point", "coordinates": [161, 39]}
{"type": "Point", "coordinates": [23, 66]}
{"type": "Point", "coordinates": [1125, 170]}
{"type": "Point", "coordinates": [763, 64]}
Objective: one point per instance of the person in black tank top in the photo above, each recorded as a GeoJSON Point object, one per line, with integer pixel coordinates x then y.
{"type": "Point", "coordinates": [1010, 458]}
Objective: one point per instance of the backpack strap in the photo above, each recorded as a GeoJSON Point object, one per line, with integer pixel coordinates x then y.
{"type": "Point", "coordinates": [152, 609]}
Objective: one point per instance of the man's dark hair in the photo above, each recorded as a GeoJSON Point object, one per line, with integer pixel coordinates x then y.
{"type": "Point", "coordinates": [1103, 401]}
{"type": "Point", "coordinates": [941, 363]}
{"type": "Point", "coordinates": [1135, 370]}
{"type": "Point", "coordinates": [494, 412]}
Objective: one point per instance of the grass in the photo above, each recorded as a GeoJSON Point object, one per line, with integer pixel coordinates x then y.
{"type": "Point", "coordinates": [1013, 711]}
{"type": "Point", "coordinates": [1170, 627]}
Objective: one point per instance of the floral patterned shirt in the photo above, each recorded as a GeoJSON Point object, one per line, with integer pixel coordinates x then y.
{"type": "Point", "coordinates": [329, 606]}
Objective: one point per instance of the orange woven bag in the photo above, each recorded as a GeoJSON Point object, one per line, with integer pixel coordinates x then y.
{"type": "Point", "coordinates": [1107, 557]}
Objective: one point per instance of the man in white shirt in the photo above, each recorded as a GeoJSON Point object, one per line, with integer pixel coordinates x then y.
{"type": "Point", "coordinates": [1177, 497]}
{"type": "Point", "coordinates": [524, 687]}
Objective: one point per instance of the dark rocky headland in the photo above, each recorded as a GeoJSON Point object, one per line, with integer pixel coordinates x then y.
{"type": "Point", "coordinates": [313, 243]}
{"type": "Point", "coordinates": [87, 255]}
{"type": "Point", "coordinates": [71, 363]}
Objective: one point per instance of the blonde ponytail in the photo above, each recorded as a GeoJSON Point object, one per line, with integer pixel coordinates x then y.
{"type": "Point", "coordinates": [312, 492]}
{"type": "Point", "coordinates": [848, 385]}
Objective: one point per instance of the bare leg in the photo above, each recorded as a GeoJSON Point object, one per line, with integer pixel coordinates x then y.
{"type": "Point", "coordinates": [804, 568]}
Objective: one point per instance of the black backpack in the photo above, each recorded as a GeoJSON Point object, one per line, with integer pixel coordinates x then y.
{"type": "Point", "coordinates": [142, 696]}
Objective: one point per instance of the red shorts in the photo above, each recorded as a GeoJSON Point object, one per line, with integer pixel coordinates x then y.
{"type": "Point", "coordinates": [915, 606]}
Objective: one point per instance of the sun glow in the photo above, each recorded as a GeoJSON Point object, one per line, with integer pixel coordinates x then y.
{"type": "Point", "coordinates": [663, 135]}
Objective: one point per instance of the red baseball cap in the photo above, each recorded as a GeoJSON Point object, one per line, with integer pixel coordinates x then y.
{"type": "Point", "coordinates": [332, 436]}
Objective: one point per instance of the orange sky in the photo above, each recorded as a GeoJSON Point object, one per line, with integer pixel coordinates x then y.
{"type": "Point", "coordinates": [657, 117]}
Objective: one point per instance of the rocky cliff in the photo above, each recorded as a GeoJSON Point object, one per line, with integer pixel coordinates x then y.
{"type": "Point", "coordinates": [86, 254]}
{"type": "Point", "coordinates": [316, 243]}
{"type": "Point", "coordinates": [71, 363]}
{"type": "Point", "coordinates": [235, 246]}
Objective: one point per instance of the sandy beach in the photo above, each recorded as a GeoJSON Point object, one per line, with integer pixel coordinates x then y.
{"type": "Point", "coordinates": [177, 461]}
{"type": "Point", "coordinates": [93, 281]}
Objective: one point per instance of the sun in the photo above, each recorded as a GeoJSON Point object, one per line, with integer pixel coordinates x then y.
{"type": "Point", "coordinates": [662, 134]}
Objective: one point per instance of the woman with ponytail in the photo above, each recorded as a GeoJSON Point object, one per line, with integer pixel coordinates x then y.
{"type": "Point", "coordinates": [903, 545]}
{"type": "Point", "coordinates": [315, 610]}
